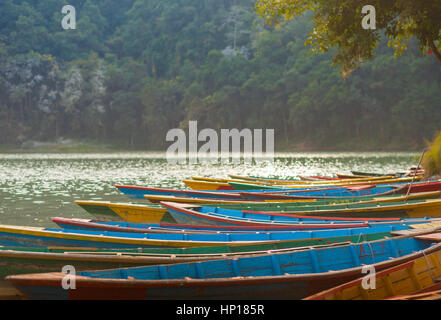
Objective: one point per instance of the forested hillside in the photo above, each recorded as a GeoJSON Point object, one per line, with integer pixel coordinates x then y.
{"type": "Point", "coordinates": [133, 69]}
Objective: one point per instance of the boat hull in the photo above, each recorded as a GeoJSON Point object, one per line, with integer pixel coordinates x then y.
{"type": "Point", "coordinates": [41, 237]}
{"type": "Point", "coordinates": [410, 278]}
{"type": "Point", "coordinates": [244, 278]}
{"type": "Point", "coordinates": [188, 214]}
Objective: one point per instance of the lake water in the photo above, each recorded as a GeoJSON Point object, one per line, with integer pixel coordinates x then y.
{"type": "Point", "coordinates": [35, 187]}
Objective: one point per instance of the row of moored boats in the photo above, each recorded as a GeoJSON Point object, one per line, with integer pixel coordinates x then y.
{"type": "Point", "coordinates": [239, 237]}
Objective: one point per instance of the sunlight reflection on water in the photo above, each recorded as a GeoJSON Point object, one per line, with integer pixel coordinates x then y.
{"type": "Point", "coordinates": [35, 187]}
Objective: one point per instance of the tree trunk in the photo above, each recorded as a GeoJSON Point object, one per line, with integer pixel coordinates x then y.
{"type": "Point", "coordinates": [57, 132]}
{"type": "Point", "coordinates": [434, 49]}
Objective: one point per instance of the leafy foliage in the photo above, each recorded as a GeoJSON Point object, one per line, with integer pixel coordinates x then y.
{"type": "Point", "coordinates": [133, 69]}
{"type": "Point", "coordinates": [338, 25]}
{"type": "Point", "coordinates": [432, 159]}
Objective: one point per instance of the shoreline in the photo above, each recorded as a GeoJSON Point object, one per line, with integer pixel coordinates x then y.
{"type": "Point", "coordinates": [67, 145]}
{"type": "Point", "coordinates": [100, 149]}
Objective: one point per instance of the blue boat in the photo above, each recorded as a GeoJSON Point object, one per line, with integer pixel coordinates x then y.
{"type": "Point", "coordinates": [137, 192]}
{"type": "Point", "coordinates": [287, 275]}
{"type": "Point", "coordinates": [16, 236]}
{"type": "Point", "coordinates": [336, 193]}
{"type": "Point", "coordinates": [193, 214]}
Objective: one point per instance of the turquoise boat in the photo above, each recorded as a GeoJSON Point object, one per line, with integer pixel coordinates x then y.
{"type": "Point", "coordinates": [37, 237]}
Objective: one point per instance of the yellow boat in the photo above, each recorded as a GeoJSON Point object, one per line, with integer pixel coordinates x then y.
{"type": "Point", "coordinates": [148, 213]}
{"type": "Point", "coordinates": [213, 185]}
{"type": "Point", "coordinates": [139, 213]}
{"type": "Point", "coordinates": [412, 278]}
{"type": "Point", "coordinates": [129, 212]}
{"type": "Point", "coordinates": [430, 295]}
{"type": "Point", "coordinates": [144, 214]}
{"type": "Point", "coordinates": [291, 182]}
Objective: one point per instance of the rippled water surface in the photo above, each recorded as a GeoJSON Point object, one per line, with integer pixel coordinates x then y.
{"type": "Point", "coordinates": [35, 187]}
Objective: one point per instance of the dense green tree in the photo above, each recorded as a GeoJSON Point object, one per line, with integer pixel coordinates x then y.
{"type": "Point", "coordinates": [134, 69]}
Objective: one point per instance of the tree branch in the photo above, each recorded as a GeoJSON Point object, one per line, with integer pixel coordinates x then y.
{"type": "Point", "coordinates": [434, 49]}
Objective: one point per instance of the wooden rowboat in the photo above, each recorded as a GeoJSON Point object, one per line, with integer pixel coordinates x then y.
{"type": "Point", "coordinates": [189, 214]}
{"type": "Point", "coordinates": [21, 260]}
{"type": "Point", "coordinates": [317, 178]}
{"type": "Point", "coordinates": [322, 180]}
{"type": "Point", "coordinates": [47, 237]}
{"type": "Point", "coordinates": [131, 212]}
{"type": "Point", "coordinates": [370, 174]}
{"type": "Point", "coordinates": [292, 275]}
{"type": "Point", "coordinates": [38, 237]}
{"type": "Point", "coordinates": [356, 176]}
{"type": "Point", "coordinates": [290, 202]}
{"type": "Point", "coordinates": [241, 185]}
{"type": "Point", "coordinates": [287, 181]}
{"type": "Point", "coordinates": [328, 194]}
{"type": "Point", "coordinates": [139, 192]}
{"type": "Point", "coordinates": [96, 225]}
{"type": "Point", "coordinates": [415, 277]}
{"type": "Point", "coordinates": [403, 209]}
{"type": "Point", "coordinates": [158, 199]}
{"type": "Point", "coordinates": [208, 185]}
{"type": "Point", "coordinates": [254, 186]}
{"type": "Point", "coordinates": [433, 293]}
{"type": "Point", "coordinates": [373, 227]}
{"type": "Point", "coordinates": [155, 213]}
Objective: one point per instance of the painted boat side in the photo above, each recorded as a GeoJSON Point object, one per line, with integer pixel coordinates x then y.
{"type": "Point", "coordinates": [25, 260]}
{"type": "Point", "coordinates": [93, 225]}
{"type": "Point", "coordinates": [414, 277]}
{"type": "Point", "coordinates": [99, 209]}
{"type": "Point", "coordinates": [37, 237]}
{"type": "Point", "coordinates": [188, 214]}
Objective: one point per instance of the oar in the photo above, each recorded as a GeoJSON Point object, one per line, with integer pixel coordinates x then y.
{"type": "Point", "coordinates": [414, 174]}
